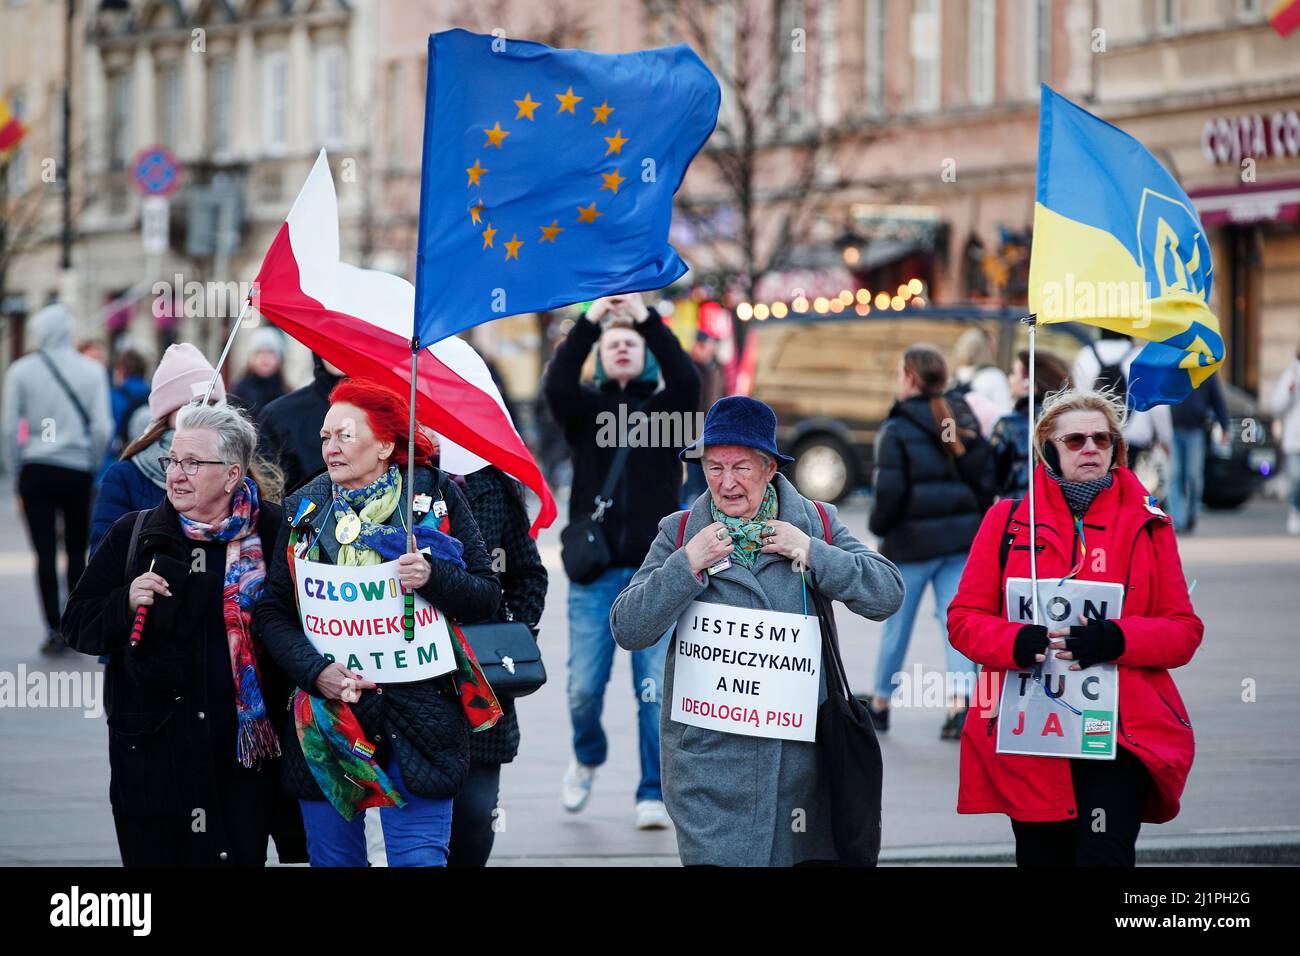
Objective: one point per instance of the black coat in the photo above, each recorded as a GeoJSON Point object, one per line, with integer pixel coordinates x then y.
{"type": "Point", "coordinates": [171, 704]}
{"type": "Point", "coordinates": [289, 428]}
{"type": "Point", "coordinates": [928, 505]}
{"type": "Point", "coordinates": [1010, 441]}
{"type": "Point", "coordinates": [423, 721]}
{"type": "Point", "coordinates": [502, 518]}
{"type": "Point", "coordinates": [651, 485]}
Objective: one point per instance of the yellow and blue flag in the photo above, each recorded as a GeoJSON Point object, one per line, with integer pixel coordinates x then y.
{"type": "Point", "coordinates": [549, 175]}
{"type": "Point", "coordinates": [1118, 245]}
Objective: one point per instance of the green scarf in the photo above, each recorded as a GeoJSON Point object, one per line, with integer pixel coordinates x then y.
{"type": "Point", "coordinates": [377, 501]}
{"type": "Point", "coordinates": [747, 533]}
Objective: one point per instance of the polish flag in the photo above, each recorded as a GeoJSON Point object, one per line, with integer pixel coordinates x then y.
{"type": "Point", "coordinates": [361, 320]}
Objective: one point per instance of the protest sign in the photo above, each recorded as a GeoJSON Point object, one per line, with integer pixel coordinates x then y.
{"type": "Point", "coordinates": [747, 671]}
{"type": "Point", "coordinates": [1060, 712]}
{"type": "Point", "coordinates": [353, 615]}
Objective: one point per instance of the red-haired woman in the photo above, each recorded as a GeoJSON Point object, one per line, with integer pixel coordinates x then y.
{"type": "Point", "coordinates": [403, 746]}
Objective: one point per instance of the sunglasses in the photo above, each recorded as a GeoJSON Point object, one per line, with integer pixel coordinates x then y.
{"type": "Point", "coordinates": [1076, 440]}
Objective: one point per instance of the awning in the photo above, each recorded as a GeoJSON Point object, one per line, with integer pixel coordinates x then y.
{"type": "Point", "coordinates": [1248, 203]}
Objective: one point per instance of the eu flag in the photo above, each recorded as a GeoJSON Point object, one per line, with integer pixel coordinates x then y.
{"type": "Point", "coordinates": [549, 175]}
{"type": "Point", "coordinates": [1117, 244]}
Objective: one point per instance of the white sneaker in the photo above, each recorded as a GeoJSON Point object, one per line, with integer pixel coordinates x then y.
{"type": "Point", "coordinates": [575, 789]}
{"type": "Point", "coordinates": [651, 815]}
{"type": "Point", "coordinates": [1293, 522]}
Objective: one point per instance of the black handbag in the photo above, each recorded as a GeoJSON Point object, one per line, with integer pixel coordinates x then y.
{"type": "Point", "coordinates": [848, 752]}
{"type": "Point", "coordinates": [509, 655]}
{"type": "Point", "coordinates": [584, 552]}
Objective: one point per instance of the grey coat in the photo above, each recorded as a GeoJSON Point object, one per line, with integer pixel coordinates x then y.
{"type": "Point", "coordinates": [734, 798]}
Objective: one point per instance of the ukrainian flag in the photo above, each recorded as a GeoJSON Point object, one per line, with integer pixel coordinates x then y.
{"type": "Point", "coordinates": [1117, 244]}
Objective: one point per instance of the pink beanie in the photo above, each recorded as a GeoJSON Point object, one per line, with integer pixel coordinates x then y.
{"type": "Point", "coordinates": [182, 377]}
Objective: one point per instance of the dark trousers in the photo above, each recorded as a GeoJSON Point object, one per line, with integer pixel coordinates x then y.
{"type": "Point", "coordinates": [47, 490]}
{"type": "Point", "coordinates": [1118, 788]}
{"type": "Point", "coordinates": [471, 816]}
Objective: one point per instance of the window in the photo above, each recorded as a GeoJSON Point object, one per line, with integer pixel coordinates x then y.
{"type": "Point", "coordinates": [828, 61]}
{"type": "Point", "coordinates": [329, 95]}
{"type": "Point", "coordinates": [275, 97]}
{"type": "Point", "coordinates": [875, 25]}
{"type": "Point", "coordinates": [794, 63]}
{"type": "Point", "coordinates": [119, 120]}
{"type": "Point", "coordinates": [1166, 16]}
{"type": "Point", "coordinates": [1038, 44]}
{"type": "Point", "coordinates": [726, 51]}
{"type": "Point", "coordinates": [982, 60]}
{"type": "Point", "coordinates": [17, 165]}
{"type": "Point", "coordinates": [169, 106]}
{"type": "Point", "coordinates": [925, 55]}
{"type": "Point", "coordinates": [396, 112]}
{"type": "Point", "coordinates": [220, 96]}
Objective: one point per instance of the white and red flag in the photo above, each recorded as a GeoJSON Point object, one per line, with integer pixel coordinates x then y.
{"type": "Point", "coordinates": [361, 320]}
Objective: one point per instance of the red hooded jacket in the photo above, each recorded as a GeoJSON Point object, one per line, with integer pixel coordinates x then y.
{"type": "Point", "coordinates": [1128, 544]}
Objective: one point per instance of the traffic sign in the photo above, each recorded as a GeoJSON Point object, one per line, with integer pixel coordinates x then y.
{"type": "Point", "coordinates": [156, 171]}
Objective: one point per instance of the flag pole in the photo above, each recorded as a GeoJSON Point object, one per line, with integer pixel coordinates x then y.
{"type": "Point", "coordinates": [1032, 321]}
{"type": "Point", "coordinates": [408, 594]}
{"type": "Point", "coordinates": [230, 340]}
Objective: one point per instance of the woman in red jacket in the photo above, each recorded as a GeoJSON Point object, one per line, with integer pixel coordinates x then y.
{"type": "Point", "coordinates": [1095, 523]}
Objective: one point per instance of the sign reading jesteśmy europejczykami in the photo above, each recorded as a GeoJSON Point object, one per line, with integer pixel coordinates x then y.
{"type": "Point", "coordinates": [353, 615]}
{"type": "Point", "coordinates": [747, 671]}
{"type": "Point", "coordinates": [1066, 713]}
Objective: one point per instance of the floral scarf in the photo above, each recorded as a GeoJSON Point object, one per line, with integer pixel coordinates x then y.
{"type": "Point", "coordinates": [747, 533]}
{"type": "Point", "coordinates": [379, 541]}
{"type": "Point", "coordinates": [242, 586]}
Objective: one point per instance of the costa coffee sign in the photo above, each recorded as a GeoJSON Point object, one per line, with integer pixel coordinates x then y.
{"type": "Point", "coordinates": [1262, 136]}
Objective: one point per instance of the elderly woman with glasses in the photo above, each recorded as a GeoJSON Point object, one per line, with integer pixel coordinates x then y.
{"type": "Point", "coordinates": [1094, 522]}
{"type": "Point", "coordinates": [195, 705]}
{"type": "Point", "coordinates": [747, 793]}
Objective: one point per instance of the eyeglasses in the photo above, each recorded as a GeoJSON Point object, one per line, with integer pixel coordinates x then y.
{"type": "Point", "coordinates": [189, 466]}
{"type": "Point", "coordinates": [1076, 440]}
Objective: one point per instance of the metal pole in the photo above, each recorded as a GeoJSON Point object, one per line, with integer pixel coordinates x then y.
{"type": "Point", "coordinates": [408, 594]}
{"type": "Point", "coordinates": [230, 340]}
{"type": "Point", "coordinates": [1033, 551]}
{"type": "Point", "coordinates": [65, 149]}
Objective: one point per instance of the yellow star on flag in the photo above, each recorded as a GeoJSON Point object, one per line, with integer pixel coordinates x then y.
{"type": "Point", "coordinates": [1197, 372]}
{"type": "Point", "coordinates": [602, 112]}
{"type": "Point", "coordinates": [550, 232]}
{"type": "Point", "coordinates": [588, 213]}
{"type": "Point", "coordinates": [495, 136]}
{"type": "Point", "coordinates": [612, 181]}
{"type": "Point", "coordinates": [488, 233]}
{"type": "Point", "coordinates": [474, 212]}
{"type": "Point", "coordinates": [475, 171]}
{"type": "Point", "coordinates": [512, 247]}
{"type": "Point", "coordinates": [526, 107]}
{"type": "Point", "coordinates": [568, 101]}
{"type": "Point", "coordinates": [615, 143]}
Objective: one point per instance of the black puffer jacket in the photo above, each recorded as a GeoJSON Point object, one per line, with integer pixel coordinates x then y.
{"type": "Point", "coordinates": [170, 701]}
{"type": "Point", "coordinates": [422, 721]}
{"type": "Point", "coordinates": [928, 505]}
{"type": "Point", "coordinates": [288, 428]}
{"type": "Point", "coordinates": [500, 513]}
{"type": "Point", "coordinates": [1010, 441]}
{"type": "Point", "coordinates": [651, 484]}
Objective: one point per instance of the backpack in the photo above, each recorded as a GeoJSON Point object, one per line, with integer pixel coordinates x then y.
{"type": "Point", "coordinates": [1111, 376]}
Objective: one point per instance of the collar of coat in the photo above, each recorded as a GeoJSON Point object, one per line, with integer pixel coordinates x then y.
{"type": "Point", "coordinates": [1120, 510]}
{"type": "Point", "coordinates": [791, 507]}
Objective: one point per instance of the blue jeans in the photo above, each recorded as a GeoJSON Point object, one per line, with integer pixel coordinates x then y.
{"type": "Point", "coordinates": [414, 835]}
{"type": "Point", "coordinates": [591, 656]}
{"type": "Point", "coordinates": [1187, 476]}
{"type": "Point", "coordinates": [944, 574]}
{"type": "Point", "coordinates": [1293, 475]}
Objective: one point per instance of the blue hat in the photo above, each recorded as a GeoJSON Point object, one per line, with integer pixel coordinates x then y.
{"type": "Point", "coordinates": [739, 420]}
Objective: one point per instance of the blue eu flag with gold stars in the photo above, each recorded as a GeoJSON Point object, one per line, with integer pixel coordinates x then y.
{"type": "Point", "coordinates": [549, 175]}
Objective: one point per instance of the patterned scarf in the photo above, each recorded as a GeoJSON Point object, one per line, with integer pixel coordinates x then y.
{"type": "Point", "coordinates": [242, 586]}
{"type": "Point", "coordinates": [379, 541]}
{"type": "Point", "coordinates": [340, 757]}
{"type": "Point", "coordinates": [1080, 495]}
{"type": "Point", "coordinates": [747, 533]}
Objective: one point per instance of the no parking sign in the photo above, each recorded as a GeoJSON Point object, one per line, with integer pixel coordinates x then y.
{"type": "Point", "coordinates": [156, 171]}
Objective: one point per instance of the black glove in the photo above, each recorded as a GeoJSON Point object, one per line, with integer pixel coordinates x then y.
{"type": "Point", "coordinates": [1031, 640]}
{"type": "Point", "coordinates": [1095, 643]}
